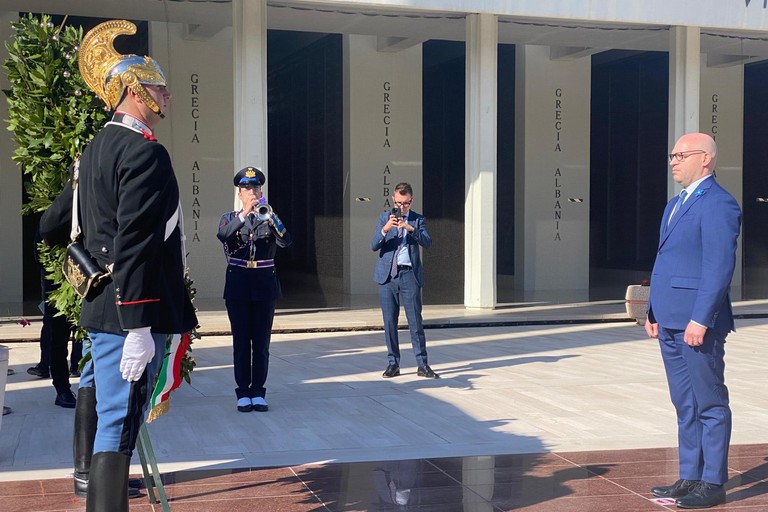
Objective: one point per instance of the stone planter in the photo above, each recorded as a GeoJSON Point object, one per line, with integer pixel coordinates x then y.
{"type": "Point", "coordinates": [637, 302]}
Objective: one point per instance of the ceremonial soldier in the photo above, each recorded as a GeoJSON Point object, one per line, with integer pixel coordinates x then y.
{"type": "Point", "coordinates": [129, 214]}
{"type": "Point", "coordinates": [251, 237]}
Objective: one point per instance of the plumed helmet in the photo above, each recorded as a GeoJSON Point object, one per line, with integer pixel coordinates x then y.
{"type": "Point", "coordinates": [108, 72]}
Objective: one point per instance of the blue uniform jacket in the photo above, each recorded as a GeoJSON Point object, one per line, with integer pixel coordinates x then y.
{"type": "Point", "coordinates": [254, 240]}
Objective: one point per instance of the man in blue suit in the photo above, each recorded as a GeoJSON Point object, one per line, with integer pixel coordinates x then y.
{"type": "Point", "coordinates": [398, 238]}
{"type": "Point", "coordinates": [689, 311]}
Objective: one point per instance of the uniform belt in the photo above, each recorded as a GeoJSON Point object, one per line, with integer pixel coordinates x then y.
{"type": "Point", "coordinates": [403, 267]}
{"type": "Point", "coordinates": [237, 262]}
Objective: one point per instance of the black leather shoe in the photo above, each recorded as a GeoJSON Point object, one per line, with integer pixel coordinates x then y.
{"type": "Point", "coordinates": [426, 372]}
{"type": "Point", "coordinates": [392, 371]}
{"type": "Point", "coordinates": [704, 495]}
{"type": "Point", "coordinates": [38, 372]}
{"type": "Point", "coordinates": [676, 490]}
{"type": "Point", "coordinates": [66, 400]}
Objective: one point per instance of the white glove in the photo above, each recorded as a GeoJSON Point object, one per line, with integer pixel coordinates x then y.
{"type": "Point", "coordinates": [138, 350]}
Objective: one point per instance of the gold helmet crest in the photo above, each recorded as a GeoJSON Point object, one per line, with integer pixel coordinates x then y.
{"type": "Point", "coordinates": [108, 73]}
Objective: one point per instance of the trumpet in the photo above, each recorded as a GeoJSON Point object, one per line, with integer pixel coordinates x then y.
{"type": "Point", "coordinates": [263, 211]}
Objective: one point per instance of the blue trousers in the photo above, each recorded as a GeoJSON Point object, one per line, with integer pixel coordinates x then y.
{"type": "Point", "coordinates": [403, 287]}
{"type": "Point", "coordinates": [120, 405]}
{"type": "Point", "coordinates": [697, 387]}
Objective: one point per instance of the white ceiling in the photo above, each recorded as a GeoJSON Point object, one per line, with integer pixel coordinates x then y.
{"type": "Point", "coordinates": [399, 29]}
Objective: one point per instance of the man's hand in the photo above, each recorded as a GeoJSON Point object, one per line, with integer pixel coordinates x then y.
{"type": "Point", "coordinates": [694, 334]}
{"type": "Point", "coordinates": [249, 205]}
{"type": "Point", "coordinates": [651, 329]}
{"type": "Point", "coordinates": [391, 223]}
{"type": "Point", "coordinates": [138, 350]}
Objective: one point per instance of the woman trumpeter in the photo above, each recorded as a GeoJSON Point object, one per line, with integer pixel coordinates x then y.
{"type": "Point", "coordinates": [251, 237]}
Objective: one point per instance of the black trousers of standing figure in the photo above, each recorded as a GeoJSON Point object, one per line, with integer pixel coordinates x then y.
{"type": "Point", "coordinates": [54, 339]}
{"type": "Point", "coordinates": [251, 323]}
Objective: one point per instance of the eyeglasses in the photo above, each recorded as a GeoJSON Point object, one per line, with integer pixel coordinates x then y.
{"type": "Point", "coordinates": [682, 155]}
{"type": "Point", "coordinates": [404, 203]}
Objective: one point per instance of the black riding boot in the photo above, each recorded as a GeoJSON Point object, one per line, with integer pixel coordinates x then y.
{"type": "Point", "coordinates": [85, 433]}
{"type": "Point", "coordinates": [108, 483]}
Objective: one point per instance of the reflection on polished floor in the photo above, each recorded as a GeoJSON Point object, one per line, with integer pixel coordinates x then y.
{"type": "Point", "coordinates": [603, 481]}
{"type": "Point", "coordinates": [566, 414]}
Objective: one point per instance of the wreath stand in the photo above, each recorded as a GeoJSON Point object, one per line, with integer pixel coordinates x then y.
{"type": "Point", "coordinates": [147, 455]}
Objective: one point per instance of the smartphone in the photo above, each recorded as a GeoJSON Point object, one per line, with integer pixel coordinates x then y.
{"type": "Point", "coordinates": [397, 213]}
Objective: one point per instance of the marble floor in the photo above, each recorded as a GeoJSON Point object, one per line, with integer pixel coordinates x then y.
{"type": "Point", "coordinates": [563, 416]}
{"type": "Point", "coordinates": [599, 481]}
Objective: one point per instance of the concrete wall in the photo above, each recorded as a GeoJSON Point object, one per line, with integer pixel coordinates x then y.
{"type": "Point", "coordinates": [552, 171]}
{"type": "Point", "coordinates": [198, 133]}
{"type": "Point", "coordinates": [10, 196]}
{"type": "Point", "coordinates": [383, 119]}
{"type": "Point", "coordinates": [721, 115]}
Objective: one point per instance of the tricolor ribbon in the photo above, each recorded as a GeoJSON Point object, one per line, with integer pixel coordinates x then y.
{"type": "Point", "coordinates": [169, 377]}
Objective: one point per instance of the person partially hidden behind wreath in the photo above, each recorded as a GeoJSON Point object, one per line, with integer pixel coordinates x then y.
{"type": "Point", "coordinates": [251, 237]}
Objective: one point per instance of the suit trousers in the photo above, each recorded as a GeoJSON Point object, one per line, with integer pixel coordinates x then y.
{"type": "Point", "coordinates": [120, 405]}
{"type": "Point", "coordinates": [251, 322]}
{"type": "Point", "coordinates": [403, 286]}
{"type": "Point", "coordinates": [697, 387]}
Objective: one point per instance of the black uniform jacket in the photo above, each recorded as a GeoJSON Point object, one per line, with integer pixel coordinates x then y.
{"type": "Point", "coordinates": [129, 199]}
{"type": "Point", "coordinates": [253, 240]}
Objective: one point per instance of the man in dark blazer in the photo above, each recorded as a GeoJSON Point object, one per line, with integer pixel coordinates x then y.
{"type": "Point", "coordinates": [689, 311]}
{"type": "Point", "coordinates": [399, 237]}
{"type": "Point", "coordinates": [130, 217]}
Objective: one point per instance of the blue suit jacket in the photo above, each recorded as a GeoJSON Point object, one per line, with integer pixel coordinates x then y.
{"type": "Point", "coordinates": [695, 261]}
{"type": "Point", "coordinates": [386, 245]}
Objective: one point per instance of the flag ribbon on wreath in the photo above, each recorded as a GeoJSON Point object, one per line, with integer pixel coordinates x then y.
{"type": "Point", "coordinates": [169, 377]}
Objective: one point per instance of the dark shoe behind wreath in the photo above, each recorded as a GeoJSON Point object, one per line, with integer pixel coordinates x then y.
{"type": "Point", "coordinates": [39, 371]}
{"type": "Point", "coordinates": [66, 399]}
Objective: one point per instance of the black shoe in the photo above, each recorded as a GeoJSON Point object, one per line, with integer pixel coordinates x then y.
{"type": "Point", "coordinates": [74, 372]}
{"type": "Point", "coordinates": [138, 483]}
{"type": "Point", "coordinates": [66, 399]}
{"type": "Point", "coordinates": [392, 371]}
{"type": "Point", "coordinates": [677, 490]}
{"type": "Point", "coordinates": [38, 372]}
{"type": "Point", "coordinates": [81, 486]}
{"type": "Point", "coordinates": [705, 495]}
{"type": "Point", "coordinates": [7, 410]}
{"type": "Point", "coordinates": [426, 372]}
